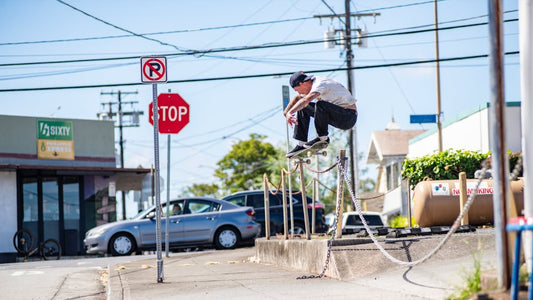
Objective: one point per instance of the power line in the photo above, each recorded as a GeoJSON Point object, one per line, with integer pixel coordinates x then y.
{"type": "Point", "coordinates": [190, 51]}
{"type": "Point", "coordinates": [242, 48]}
{"type": "Point", "coordinates": [120, 28]}
{"type": "Point", "coordinates": [256, 75]}
{"type": "Point", "coordinates": [194, 29]}
{"type": "Point", "coordinates": [155, 33]}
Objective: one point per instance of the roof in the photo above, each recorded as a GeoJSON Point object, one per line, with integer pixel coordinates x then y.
{"type": "Point", "coordinates": [126, 178]}
{"type": "Point", "coordinates": [389, 143]}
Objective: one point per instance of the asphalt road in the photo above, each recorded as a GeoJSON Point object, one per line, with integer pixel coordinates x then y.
{"type": "Point", "coordinates": [68, 278]}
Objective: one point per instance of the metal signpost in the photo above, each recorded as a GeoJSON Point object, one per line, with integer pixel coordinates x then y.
{"type": "Point", "coordinates": [285, 92]}
{"type": "Point", "coordinates": [154, 70]}
{"type": "Point", "coordinates": [173, 115]}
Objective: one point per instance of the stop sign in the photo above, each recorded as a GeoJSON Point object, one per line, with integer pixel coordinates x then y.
{"type": "Point", "coordinates": [172, 113]}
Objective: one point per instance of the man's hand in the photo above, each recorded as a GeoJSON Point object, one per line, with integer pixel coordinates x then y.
{"type": "Point", "coordinates": [291, 119]}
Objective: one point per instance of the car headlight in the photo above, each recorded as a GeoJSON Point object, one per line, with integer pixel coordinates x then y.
{"type": "Point", "coordinates": [95, 232]}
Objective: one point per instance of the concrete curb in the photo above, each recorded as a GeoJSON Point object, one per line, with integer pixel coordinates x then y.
{"type": "Point", "coordinates": [353, 257]}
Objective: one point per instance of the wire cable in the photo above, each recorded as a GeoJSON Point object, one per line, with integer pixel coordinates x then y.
{"type": "Point", "coordinates": [242, 48]}
{"type": "Point", "coordinates": [415, 62]}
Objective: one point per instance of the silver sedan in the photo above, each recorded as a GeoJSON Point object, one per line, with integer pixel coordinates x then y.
{"type": "Point", "coordinates": [193, 222]}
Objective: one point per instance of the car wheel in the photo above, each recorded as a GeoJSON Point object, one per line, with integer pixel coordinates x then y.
{"type": "Point", "coordinates": [298, 228]}
{"type": "Point", "coordinates": [226, 238]}
{"type": "Point", "coordinates": [122, 244]}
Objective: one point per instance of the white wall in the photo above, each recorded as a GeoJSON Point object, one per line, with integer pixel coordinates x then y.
{"type": "Point", "coordinates": [8, 213]}
{"type": "Point", "coordinates": [469, 131]}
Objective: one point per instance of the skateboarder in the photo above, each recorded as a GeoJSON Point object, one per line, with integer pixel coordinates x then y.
{"type": "Point", "coordinates": [324, 99]}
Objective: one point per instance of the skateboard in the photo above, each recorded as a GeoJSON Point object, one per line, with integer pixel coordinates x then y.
{"type": "Point", "coordinates": [316, 149]}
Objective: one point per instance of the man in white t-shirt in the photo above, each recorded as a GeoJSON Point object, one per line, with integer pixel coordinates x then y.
{"type": "Point", "coordinates": [324, 99]}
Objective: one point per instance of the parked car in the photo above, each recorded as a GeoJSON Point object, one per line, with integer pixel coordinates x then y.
{"type": "Point", "coordinates": [193, 222]}
{"type": "Point", "coordinates": [351, 222]}
{"type": "Point", "coordinates": [256, 199]}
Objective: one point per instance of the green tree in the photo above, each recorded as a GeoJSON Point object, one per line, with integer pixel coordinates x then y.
{"type": "Point", "coordinates": [243, 167]}
{"type": "Point", "coordinates": [201, 190]}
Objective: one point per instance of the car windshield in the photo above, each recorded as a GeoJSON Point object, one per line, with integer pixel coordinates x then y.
{"type": "Point", "coordinates": [371, 220]}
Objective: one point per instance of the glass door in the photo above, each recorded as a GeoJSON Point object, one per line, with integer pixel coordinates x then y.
{"type": "Point", "coordinates": [71, 214]}
{"type": "Point", "coordinates": [50, 204]}
{"type": "Point", "coordinates": [30, 206]}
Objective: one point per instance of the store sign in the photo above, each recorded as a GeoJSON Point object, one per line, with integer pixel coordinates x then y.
{"type": "Point", "coordinates": [54, 140]}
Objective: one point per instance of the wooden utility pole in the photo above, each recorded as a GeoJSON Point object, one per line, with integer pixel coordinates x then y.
{"type": "Point", "coordinates": [108, 115]}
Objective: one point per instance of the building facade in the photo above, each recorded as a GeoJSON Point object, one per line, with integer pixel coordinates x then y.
{"type": "Point", "coordinates": [58, 179]}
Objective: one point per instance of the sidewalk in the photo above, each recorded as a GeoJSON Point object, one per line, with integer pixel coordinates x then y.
{"type": "Point", "coordinates": [237, 274]}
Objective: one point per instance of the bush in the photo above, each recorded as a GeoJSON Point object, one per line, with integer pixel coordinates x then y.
{"type": "Point", "coordinates": [442, 166]}
{"type": "Point", "coordinates": [448, 164]}
{"type": "Point", "coordinates": [401, 221]}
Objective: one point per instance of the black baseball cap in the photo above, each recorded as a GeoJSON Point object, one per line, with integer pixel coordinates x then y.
{"type": "Point", "coordinates": [298, 77]}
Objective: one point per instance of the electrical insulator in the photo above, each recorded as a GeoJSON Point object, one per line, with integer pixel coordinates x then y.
{"type": "Point", "coordinates": [342, 37]}
{"type": "Point", "coordinates": [329, 39]}
{"type": "Point", "coordinates": [362, 40]}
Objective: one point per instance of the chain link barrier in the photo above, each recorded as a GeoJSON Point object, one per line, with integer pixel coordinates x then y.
{"type": "Point", "coordinates": [454, 227]}
{"type": "Point", "coordinates": [342, 171]}
{"type": "Point", "coordinates": [320, 171]}
{"type": "Point", "coordinates": [330, 241]}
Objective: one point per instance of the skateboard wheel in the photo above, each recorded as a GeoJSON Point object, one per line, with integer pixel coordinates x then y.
{"type": "Point", "coordinates": [309, 153]}
{"type": "Point", "coordinates": [324, 153]}
{"type": "Point", "coordinates": [308, 161]}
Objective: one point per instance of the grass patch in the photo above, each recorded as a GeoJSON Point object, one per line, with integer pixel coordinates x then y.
{"type": "Point", "coordinates": [471, 279]}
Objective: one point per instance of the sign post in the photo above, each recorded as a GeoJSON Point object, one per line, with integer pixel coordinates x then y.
{"type": "Point", "coordinates": [285, 94]}
{"type": "Point", "coordinates": [172, 115]}
{"type": "Point", "coordinates": [154, 70]}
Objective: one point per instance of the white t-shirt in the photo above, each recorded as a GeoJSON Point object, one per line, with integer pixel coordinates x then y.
{"type": "Point", "coordinates": [332, 91]}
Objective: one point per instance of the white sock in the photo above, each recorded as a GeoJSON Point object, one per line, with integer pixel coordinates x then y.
{"type": "Point", "coordinates": [300, 143]}
{"type": "Point", "coordinates": [323, 138]}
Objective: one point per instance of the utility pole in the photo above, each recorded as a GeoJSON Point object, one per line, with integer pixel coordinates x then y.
{"type": "Point", "coordinates": [346, 41]}
{"type": "Point", "coordinates": [133, 121]}
{"type": "Point", "coordinates": [437, 57]}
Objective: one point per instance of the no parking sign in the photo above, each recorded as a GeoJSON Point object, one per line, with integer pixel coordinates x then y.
{"type": "Point", "coordinates": [153, 69]}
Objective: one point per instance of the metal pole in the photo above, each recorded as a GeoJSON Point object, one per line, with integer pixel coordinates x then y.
{"type": "Point", "coordinates": [285, 219]}
{"type": "Point", "coordinates": [437, 56]}
{"type": "Point", "coordinates": [159, 259]}
{"type": "Point", "coordinates": [304, 198]}
{"type": "Point", "coordinates": [352, 133]}
{"type": "Point", "coordinates": [285, 96]}
{"type": "Point", "coordinates": [167, 242]}
{"type": "Point", "coordinates": [267, 207]}
{"type": "Point", "coordinates": [525, 15]}
{"type": "Point", "coordinates": [167, 246]}
{"type": "Point", "coordinates": [500, 162]}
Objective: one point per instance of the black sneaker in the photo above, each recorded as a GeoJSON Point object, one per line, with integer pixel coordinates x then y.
{"type": "Point", "coordinates": [311, 143]}
{"type": "Point", "coordinates": [295, 151]}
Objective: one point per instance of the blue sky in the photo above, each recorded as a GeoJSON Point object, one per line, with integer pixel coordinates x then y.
{"type": "Point", "coordinates": [236, 108]}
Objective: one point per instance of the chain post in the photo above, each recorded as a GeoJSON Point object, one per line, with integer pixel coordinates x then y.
{"type": "Point", "coordinates": [267, 207]}
{"type": "Point", "coordinates": [285, 218]}
{"type": "Point", "coordinates": [340, 191]}
{"type": "Point", "coordinates": [304, 199]}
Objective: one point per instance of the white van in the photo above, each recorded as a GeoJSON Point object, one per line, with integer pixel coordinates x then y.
{"type": "Point", "coordinates": [351, 222]}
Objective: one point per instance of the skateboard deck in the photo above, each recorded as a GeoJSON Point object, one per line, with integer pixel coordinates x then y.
{"type": "Point", "coordinates": [314, 150]}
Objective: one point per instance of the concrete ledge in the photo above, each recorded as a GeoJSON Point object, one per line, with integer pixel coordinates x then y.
{"type": "Point", "coordinates": [353, 257]}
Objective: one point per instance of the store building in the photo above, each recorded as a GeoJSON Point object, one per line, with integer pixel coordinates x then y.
{"type": "Point", "coordinates": [58, 178]}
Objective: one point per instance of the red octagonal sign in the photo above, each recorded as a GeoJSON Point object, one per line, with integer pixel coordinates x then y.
{"type": "Point", "coordinates": [172, 113]}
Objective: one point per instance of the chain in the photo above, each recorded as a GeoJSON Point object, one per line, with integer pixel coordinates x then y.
{"type": "Point", "coordinates": [326, 187]}
{"type": "Point", "coordinates": [517, 169]}
{"type": "Point", "coordinates": [456, 223]}
{"type": "Point", "coordinates": [330, 241]}
{"type": "Point", "coordinates": [290, 172]}
{"type": "Point", "coordinates": [321, 171]}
